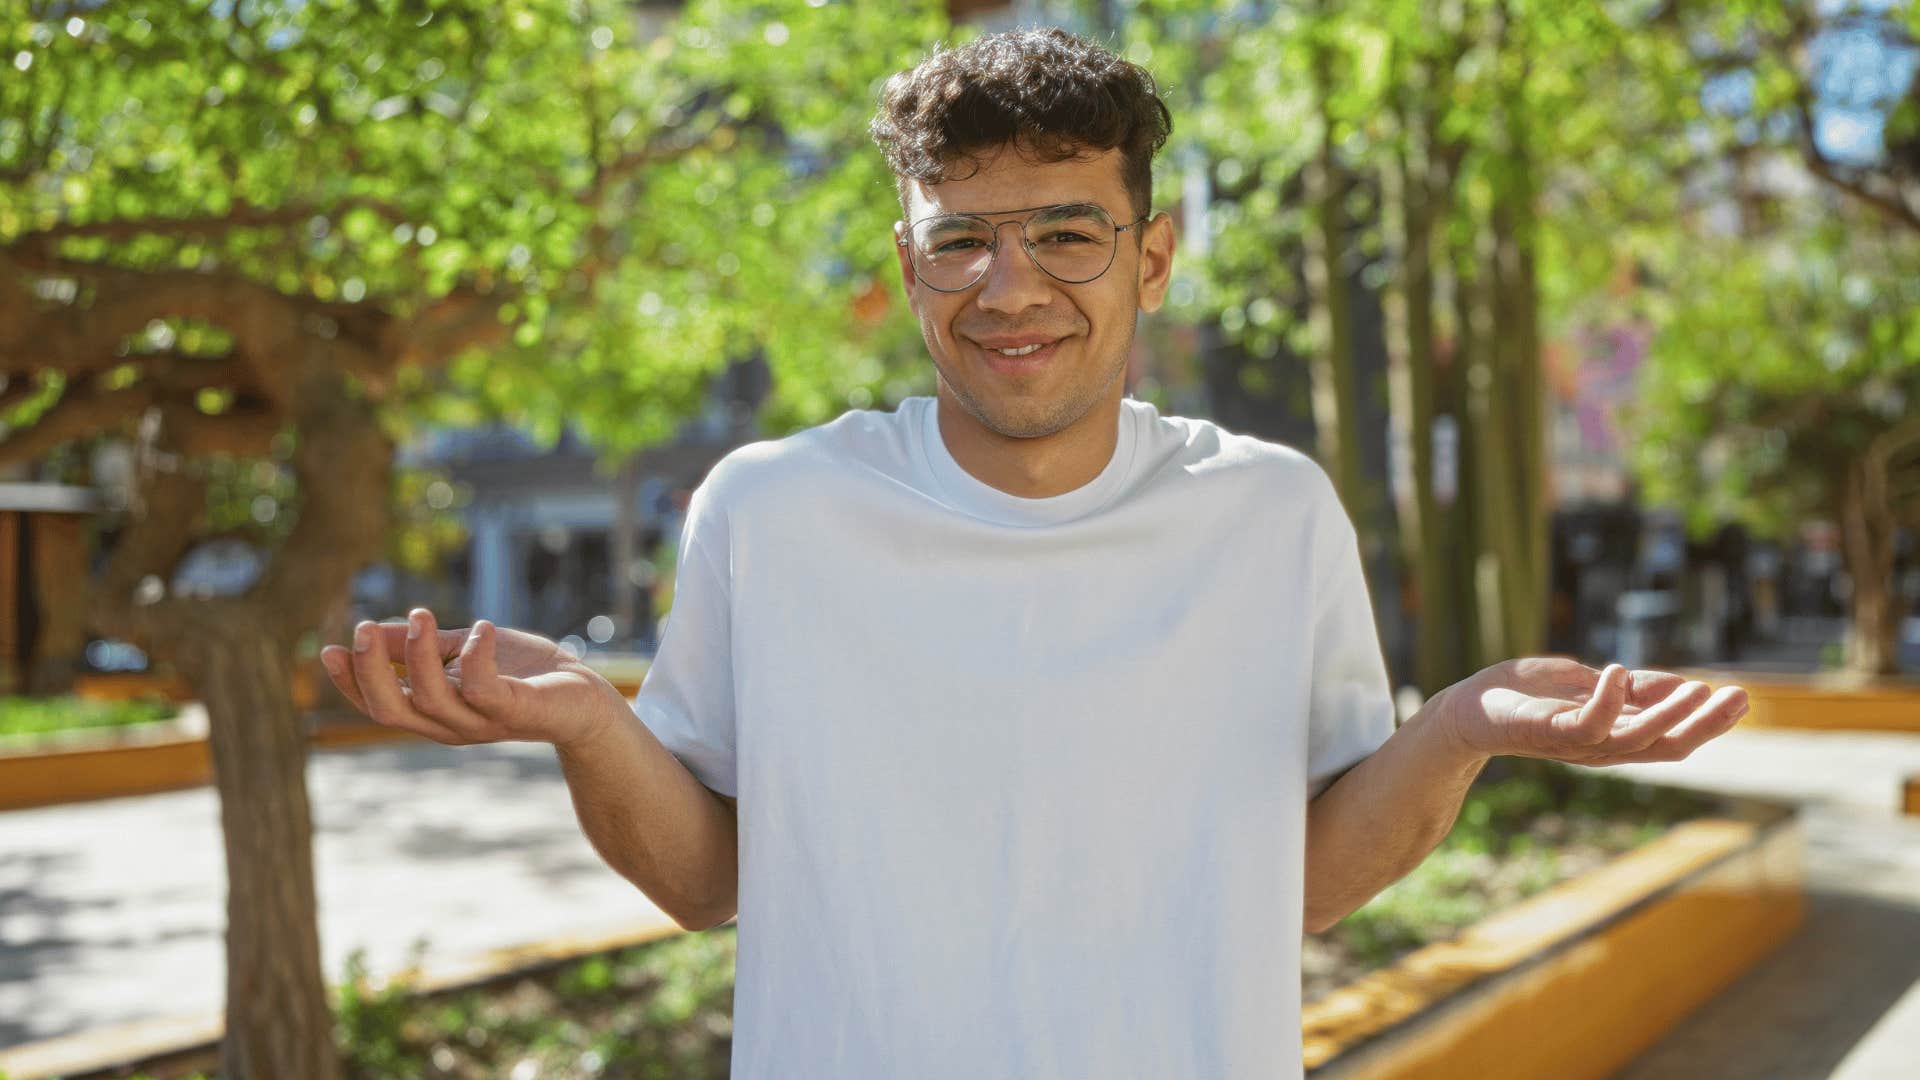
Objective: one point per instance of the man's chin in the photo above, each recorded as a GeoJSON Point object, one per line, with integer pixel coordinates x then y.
{"type": "Point", "coordinates": [1020, 417]}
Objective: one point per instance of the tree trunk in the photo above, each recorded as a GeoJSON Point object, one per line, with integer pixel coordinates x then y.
{"type": "Point", "coordinates": [1335, 396]}
{"type": "Point", "coordinates": [1867, 528]}
{"type": "Point", "coordinates": [279, 1019]}
{"type": "Point", "coordinates": [1458, 393]}
{"type": "Point", "coordinates": [1516, 231]}
{"type": "Point", "coordinates": [1413, 188]}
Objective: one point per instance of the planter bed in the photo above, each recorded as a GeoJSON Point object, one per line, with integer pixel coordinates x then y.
{"type": "Point", "coordinates": [167, 755]}
{"type": "Point", "coordinates": [1603, 953]}
{"type": "Point", "coordinates": [1823, 702]}
{"type": "Point", "coordinates": [80, 764]}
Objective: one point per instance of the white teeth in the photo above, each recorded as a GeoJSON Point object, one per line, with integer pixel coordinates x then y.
{"type": "Point", "coordinates": [1021, 351]}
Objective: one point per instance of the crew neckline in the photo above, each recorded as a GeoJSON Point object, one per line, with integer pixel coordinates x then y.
{"type": "Point", "coordinates": [976, 498]}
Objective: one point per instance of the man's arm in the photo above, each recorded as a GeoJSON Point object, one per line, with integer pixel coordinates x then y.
{"type": "Point", "coordinates": [1386, 813]}
{"type": "Point", "coordinates": [1383, 816]}
{"type": "Point", "coordinates": [645, 813]}
{"type": "Point", "coordinates": [654, 822]}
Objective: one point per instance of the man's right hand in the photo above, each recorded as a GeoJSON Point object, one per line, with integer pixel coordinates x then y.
{"type": "Point", "coordinates": [477, 684]}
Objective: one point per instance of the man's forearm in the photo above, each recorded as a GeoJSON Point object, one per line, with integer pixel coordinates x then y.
{"type": "Point", "coordinates": [1383, 816]}
{"type": "Point", "coordinates": [654, 821]}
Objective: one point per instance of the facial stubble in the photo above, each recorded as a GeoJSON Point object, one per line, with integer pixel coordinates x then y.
{"type": "Point", "coordinates": [1064, 414]}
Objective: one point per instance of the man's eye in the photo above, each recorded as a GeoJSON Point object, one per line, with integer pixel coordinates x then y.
{"type": "Point", "coordinates": [1069, 237]}
{"type": "Point", "coordinates": [953, 245]}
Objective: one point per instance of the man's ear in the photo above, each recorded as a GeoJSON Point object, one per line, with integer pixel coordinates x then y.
{"type": "Point", "coordinates": [1156, 260]}
{"type": "Point", "coordinates": [906, 260]}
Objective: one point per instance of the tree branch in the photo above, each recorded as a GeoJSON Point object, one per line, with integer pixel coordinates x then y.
{"type": "Point", "coordinates": [1893, 205]}
{"type": "Point", "coordinates": [462, 319]}
{"type": "Point", "coordinates": [244, 215]}
{"type": "Point", "coordinates": [78, 413]}
{"type": "Point", "coordinates": [239, 432]}
{"type": "Point", "coordinates": [270, 327]}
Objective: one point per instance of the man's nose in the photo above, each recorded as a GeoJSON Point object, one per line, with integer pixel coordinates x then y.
{"type": "Point", "coordinates": [1013, 281]}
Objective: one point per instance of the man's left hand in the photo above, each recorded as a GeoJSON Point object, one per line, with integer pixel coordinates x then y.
{"type": "Point", "coordinates": [1547, 707]}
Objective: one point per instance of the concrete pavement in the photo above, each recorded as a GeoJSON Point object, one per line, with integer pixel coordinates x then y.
{"type": "Point", "coordinates": [1841, 999]}
{"type": "Point", "coordinates": [114, 911]}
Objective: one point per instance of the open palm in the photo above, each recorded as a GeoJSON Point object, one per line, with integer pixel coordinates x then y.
{"type": "Point", "coordinates": [470, 685]}
{"type": "Point", "coordinates": [1550, 707]}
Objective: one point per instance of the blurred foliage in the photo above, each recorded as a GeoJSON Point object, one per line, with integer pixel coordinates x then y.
{"type": "Point", "coordinates": [427, 526]}
{"type": "Point", "coordinates": [659, 1010]}
{"type": "Point", "coordinates": [1247, 110]}
{"type": "Point", "coordinates": [1778, 363]}
{"type": "Point", "coordinates": [708, 167]}
{"type": "Point", "coordinates": [36, 715]}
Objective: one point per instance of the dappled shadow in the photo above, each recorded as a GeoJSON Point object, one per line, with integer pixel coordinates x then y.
{"type": "Point", "coordinates": [371, 781]}
{"type": "Point", "coordinates": [1800, 1011]}
{"type": "Point", "coordinates": [25, 906]}
{"type": "Point", "coordinates": [385, 785]}
{"type": "Point", "coordinates": [548, 852]}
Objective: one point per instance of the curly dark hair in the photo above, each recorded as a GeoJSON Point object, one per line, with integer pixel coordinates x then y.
{"type": "Point", "coordinates": [1052, 94]}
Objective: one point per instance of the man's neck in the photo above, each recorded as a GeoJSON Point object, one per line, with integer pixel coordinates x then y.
{"type": "Point", "coordinates": [1036, 468]}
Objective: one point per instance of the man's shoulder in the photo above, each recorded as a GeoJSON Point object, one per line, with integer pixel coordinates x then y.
{"type": "Point", "coordinates": [811, 455]}
{"type": "Point", "coordinates": [1202, 448]}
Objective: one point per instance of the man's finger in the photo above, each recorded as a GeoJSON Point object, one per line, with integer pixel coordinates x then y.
{"type": "Point", "coordinates": [446, 643]}
{"type": "Point", "coordinates": [480, 681]}
{"type": "Point", "coordinates": [1655, 721]}
{"type": "Point", "coordinates": [386, 702]}
{"type": "Point", "coordinates": [339, 666]}
{"type": "Point", "coordinates": [1646, 689]}
{"type": "Point", "coordinates": [433, 695]}
{"type": "Point", "coordinates": [1712, 719]}
{"type": "Point", "coordinates": [1595, 719]}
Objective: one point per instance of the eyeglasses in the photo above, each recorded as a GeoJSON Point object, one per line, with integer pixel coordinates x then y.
{"type": "Point", "coordinates": [1071, 242]}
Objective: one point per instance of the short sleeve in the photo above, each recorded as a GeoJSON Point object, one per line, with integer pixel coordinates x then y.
{"type": "Point", "coordinates": [686, 699]}
{"type": "Point", "coordinates": [1351, 711]}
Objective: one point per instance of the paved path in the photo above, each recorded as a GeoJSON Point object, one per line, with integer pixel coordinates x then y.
{"type": "Point", "coordinates": [114, 911]}
{"type": "Point", "coordinates": [1841, 999]}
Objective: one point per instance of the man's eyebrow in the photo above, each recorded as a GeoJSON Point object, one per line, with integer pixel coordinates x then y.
{"type": "Point", "coordinates": [1077, 205]}
{"type": "Point", "coordinates": [1064, 209]}
{"type": "Point", "coordinates": [946, 223]}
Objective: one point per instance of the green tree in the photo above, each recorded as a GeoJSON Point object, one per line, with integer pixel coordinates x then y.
{"type": "Point", "coordinates": [1781, 386]}
{"type": "Point", "coordinates": [1781, 383]}
{"type": "Point", "coordinates": [269, 240]}
{"type": "Point", "coordinates": [1409, 150]}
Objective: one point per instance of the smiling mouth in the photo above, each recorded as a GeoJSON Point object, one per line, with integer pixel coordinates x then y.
{"type": "Point", "coordinates": [1022, 359]}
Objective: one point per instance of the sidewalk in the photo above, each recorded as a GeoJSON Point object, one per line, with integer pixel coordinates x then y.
{"type": "Point", "coordinates": [115, 910]}
{"type": "Point", "coordinates": [1841, 999]}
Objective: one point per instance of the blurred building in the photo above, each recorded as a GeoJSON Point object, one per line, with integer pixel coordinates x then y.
{"type": "Point", "coordinates": [557, 545]}
{"type": "Point", "coordinates": [43, 582]}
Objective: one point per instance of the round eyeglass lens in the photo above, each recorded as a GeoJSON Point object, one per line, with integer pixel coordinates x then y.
{"type": "Point", "coordinates": [1073, 243]}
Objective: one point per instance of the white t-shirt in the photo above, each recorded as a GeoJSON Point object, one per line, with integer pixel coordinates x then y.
{"type": "Point", "coordinates": [1022, 782]}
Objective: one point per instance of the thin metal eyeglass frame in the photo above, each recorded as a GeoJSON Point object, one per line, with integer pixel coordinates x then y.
{"type": "Point", "coordinates": [1025, 242]}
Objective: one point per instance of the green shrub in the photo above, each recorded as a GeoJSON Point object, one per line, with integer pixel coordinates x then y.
{"type": "Point", "coordinates": [37, 715]}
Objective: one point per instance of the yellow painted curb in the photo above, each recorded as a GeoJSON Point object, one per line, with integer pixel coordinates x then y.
{"type": "Point", "coordinates": [57, 777]}
{"type": "Point", "coordinates": [1576, 982]}
{"type": "Point", "coordinates": [54, 778]}
{"type": "Point", "coordinates": [187, 1043]}
{"type": "Point", "coordinates": [1823, 703]}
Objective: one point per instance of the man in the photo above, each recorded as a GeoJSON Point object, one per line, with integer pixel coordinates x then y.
{"type": "Point", "coordinates": [1052, 720]}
